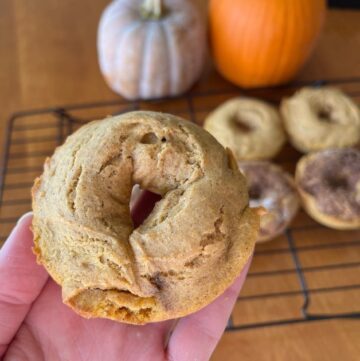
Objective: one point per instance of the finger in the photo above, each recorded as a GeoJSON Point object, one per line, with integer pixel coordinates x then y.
{"type": "Point", "coordinates": [143, 206]}
{"type": "Point", "coordinates": [21, 280]}
{"type": "Point", "coordinates": [196, 336]}
{"type": "Point", "coordinates": [86, 339]}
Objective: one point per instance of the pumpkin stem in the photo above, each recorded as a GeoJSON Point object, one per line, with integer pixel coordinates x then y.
{"type": "Point", "coordinates": [152, 9]}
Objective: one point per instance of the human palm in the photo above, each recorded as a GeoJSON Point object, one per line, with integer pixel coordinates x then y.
{"type": "Point", "coordinates": [36, 325]}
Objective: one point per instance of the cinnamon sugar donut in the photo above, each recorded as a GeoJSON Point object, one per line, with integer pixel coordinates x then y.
{"type": "Point", "coordinates": [321, 118]}
{"type": "Point", "coordinates": [272, 188]}
{"type": "Point", "coordinates": [163, 269]}
{"type": "Point", "coordinates": [251, 128]}
{"type": "Point", "coordinates": [329, 185]}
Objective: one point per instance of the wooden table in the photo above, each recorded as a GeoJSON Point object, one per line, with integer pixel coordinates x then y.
{"type": "Point", "coordinates": [48, 57]}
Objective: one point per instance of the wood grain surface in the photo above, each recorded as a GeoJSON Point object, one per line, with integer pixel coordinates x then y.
{"type": "Point", "coordinates": [48, 57]}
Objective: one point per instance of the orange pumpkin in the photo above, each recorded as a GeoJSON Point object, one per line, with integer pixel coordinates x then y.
{"type": "Point", "coordinates": [263, 42]}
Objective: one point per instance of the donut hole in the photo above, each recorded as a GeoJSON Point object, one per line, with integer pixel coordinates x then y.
{"type": "Point", "coordinates": [150, 138]}
{"type": "Point", "coordinates": [241, 124]}
{"type": "Point", "coordinates": [337, 182]}
{"type": "Point", "coordinates": [142, 202]}
{"type": "Point", "coordinates": [325, 114]}
{"type": "Point", "coordinates": [255, 192]}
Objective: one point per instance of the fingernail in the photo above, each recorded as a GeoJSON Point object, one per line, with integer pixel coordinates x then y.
{"type": "Point", "coordinates": [24, 216]}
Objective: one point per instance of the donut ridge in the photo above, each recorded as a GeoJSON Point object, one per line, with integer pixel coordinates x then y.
{"type": "Point", "coordinates": [83, 232]}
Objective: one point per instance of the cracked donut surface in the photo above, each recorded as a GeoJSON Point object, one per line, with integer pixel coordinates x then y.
{"type": "Point", "coordinates": [187, 251]}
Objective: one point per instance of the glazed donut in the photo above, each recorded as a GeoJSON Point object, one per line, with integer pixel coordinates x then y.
{"type": "Point", "coordinates": [163, 269]}
{"type": "Point", "coordinates": [251, 128]}
{"type": "Point", "coordinates": [274, 189]}
{"type": "Point", "coordinates": [321, 118]}
{"type": "Point", "coordinates": [329, 185]}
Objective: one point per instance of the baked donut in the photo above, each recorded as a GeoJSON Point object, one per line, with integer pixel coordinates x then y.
{"type": "Point", "coordinates": [321, 118]}
{"type": "Point", "coordinates": [329, 185]}
{"type": "Point", "coordinates": [273, 189]}
{"type": "Point", "coordinates": [164, 268]}
{"type": "Point", "coordinates": [251, 128]}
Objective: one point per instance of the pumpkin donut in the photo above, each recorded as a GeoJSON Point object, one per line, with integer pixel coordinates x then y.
{"type": "Point", "coordinates": [321, 118]}
{"type": "Point", "coordinates": [329, 185]}
{"type": "Point", "coordinates": [274, 189]}
{"type": "Point", "coordinates": [163, 269]}
{"type": "Point", "coordinates": [251, 128]}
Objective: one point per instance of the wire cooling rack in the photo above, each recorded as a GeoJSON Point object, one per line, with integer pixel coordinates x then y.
{"type": "Point", "coordinates": [308, 274]}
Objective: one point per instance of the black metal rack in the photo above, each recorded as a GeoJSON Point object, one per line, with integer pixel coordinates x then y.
{"type": "Point", "coordinates": [285, 269]}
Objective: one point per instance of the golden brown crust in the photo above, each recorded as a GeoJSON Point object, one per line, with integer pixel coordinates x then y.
{"type": "Point", "coordinates": [310, 205]}
{"type": "Point", "coordinates": [320, 118]}
{"type": "Point", "coordinates": [164, 268]}
{"type": "Point", "coordinates": [251, 128]}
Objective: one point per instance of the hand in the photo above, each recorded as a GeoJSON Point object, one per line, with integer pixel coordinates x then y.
{"type": "Point", "coordinates": [36, 325]}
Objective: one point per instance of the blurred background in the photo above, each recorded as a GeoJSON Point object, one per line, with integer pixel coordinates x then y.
{"type": "Point", "coordinates": [48, 52]}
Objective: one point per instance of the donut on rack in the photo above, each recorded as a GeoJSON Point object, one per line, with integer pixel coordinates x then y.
{"type": "Point", "coordinates": [251, 128]}
{"type": "Point", "coordinates": [329, 184]}
{"type": "Point", "coordinates": [164, 268]}
{"type": "Point", "coordinates": [321, 118]}
{"type": "Point", "coordinates": [273, 189]}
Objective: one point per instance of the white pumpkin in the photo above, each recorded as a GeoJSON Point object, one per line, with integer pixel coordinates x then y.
{"type": "Point", "coordinates": [152, 48]}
